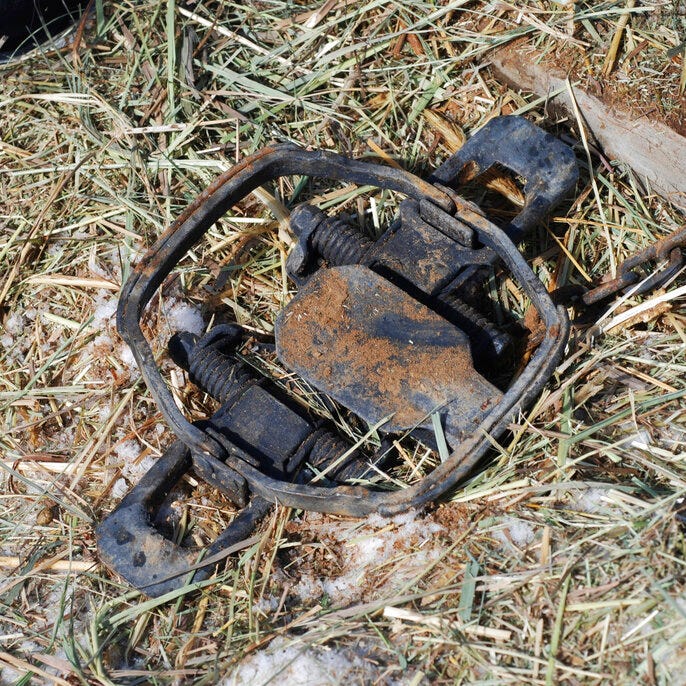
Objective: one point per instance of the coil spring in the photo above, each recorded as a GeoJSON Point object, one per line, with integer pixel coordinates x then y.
{"type": "Point", "coordinates": [225, 378]}
{"type": "Point", "coordinates": [476, 324]}
{"type": "Point", "coordinates": [339, 243]}
{"type": "Point", "coordinates": [328, 448]}
{"type": "Point", "coordinates": [220, 375]}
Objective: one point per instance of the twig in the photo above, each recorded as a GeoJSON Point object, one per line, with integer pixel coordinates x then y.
{"type": "Point", "coordinates": [611, 57]}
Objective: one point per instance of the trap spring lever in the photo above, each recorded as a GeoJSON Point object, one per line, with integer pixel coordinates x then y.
{"type": "Point", "coordinates": [387, 327]}
{"type": "Point", "coordinates": [278, 439]}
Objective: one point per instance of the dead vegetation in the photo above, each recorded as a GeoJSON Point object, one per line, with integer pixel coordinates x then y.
{"type": "Point", "coordinates": [560, 562]}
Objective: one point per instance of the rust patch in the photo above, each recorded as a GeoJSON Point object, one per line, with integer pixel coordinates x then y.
{"type": "Point", "coordinates": [368, 344]}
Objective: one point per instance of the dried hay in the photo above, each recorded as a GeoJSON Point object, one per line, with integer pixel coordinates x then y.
{"type": "Point", "coordinates": [561, 562]}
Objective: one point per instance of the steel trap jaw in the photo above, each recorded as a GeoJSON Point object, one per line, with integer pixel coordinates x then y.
{"type": "Point", "coordinates": [393, 329]}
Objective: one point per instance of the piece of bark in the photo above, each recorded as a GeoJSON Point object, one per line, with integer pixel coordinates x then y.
{"type": "Point", "coordinates": [654, 151]}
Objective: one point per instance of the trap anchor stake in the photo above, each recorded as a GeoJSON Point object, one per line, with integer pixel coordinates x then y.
{"type": "Point", "coordinates": [390, 328]}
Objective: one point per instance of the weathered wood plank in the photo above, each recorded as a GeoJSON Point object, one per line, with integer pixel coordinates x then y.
{"type": "Point", "coordinates": [654, 151]}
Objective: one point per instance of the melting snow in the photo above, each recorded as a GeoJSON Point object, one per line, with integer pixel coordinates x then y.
{"type": "Point", "coordinates": [14, 324]}
{"type": "Point", "coordinates": [119, 489]}
{"type": "Point", "coordinates": [126, 356]}
{"type": "Point", "coordinates": [284, 664]}
{"type": "Point", "coordinates": [589, 499]}
{"type": "Point", "coordinates": [128, 450]}
{"type": "Point", "coordinates": [133, 466]}
{"type": "Point", "coordinates": [403, 543]}
{"type": "Point", "coordinates": [184, 317]}
{"type": "Point", "coordinates": [105, 308]}
{"type": "Point", "coordinates": [520, 532]}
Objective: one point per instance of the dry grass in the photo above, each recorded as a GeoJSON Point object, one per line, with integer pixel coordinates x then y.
{"type": "Point", "coordinates": [560, 562]}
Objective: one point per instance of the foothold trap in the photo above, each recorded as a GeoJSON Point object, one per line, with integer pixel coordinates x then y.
{"type": "Point", "coordinates": [396, 330]}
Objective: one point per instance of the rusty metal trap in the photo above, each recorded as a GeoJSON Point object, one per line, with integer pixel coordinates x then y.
{"type": "Point", "coordinates": [396, 330]}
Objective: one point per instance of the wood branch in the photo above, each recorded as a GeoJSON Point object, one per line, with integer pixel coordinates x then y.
{"type": "Point", "coordinates": [654, 151]}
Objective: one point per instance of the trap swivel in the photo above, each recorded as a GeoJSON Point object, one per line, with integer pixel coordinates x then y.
{"type": "Point", "coordinates": [393, 329]}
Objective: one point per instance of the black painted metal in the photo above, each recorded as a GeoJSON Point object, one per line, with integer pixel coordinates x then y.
{"type": "Point", "coordinates": [394, 337]}
{"type": "Point", "coordinates": [29, 23]}
{"type": "Point", "coordinates": [547, 166]}
{"type": "Point", "coordinates": [276, 434]}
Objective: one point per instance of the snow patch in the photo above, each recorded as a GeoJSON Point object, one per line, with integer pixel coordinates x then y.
{"type": "Point", "coordinates": [104, 412]}
{"type": "Point", "coordinates": [119, 489]}
{"type": "Point", "coordinates": [126, 356]}
{"type": "Point", "coordinates": [284, 664]}
{"type": "Point", "coordinates": [182, 316]}
{"type": "Point", "coordinates": [134, 471]}
{"type": "Point", "coordinates": [105, 308]}
{"type": "Point", "coordinates": [8, 675]}
{"type": "Point", "coordinates": [519, 531]}
{"type": "Point", "coordinates": [308, 588]}
{"type": "Point", "coordinates": [589, 500]}
{"type": "Point", "coordinates": [127, 451]}
{"type": "Point", "coordinates": [134, 466]}
{"type": "Point", "coordinates": [266, 605]}
{"type": "Point", "coordinates": [14, 324]}
{"type": "Point", "coordinates": [16, 336]}
{"type": "Point", "coordinates": [363, 548]}
{"type": "Point", "coordinates": [103, 341]}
